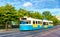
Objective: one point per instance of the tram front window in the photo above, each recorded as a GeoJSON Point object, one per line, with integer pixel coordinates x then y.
{"type": "Point", "coordinates": [25, 22]}
{"type": "Point", "coordinates": [22, 22]}
{"type": "Point", "coordinates": [45, 23]}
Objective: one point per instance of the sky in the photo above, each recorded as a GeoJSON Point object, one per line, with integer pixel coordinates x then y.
{"type": "Point", "coordinates": [35, 5]}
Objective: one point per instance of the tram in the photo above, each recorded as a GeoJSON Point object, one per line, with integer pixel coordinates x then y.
{"type": "Point", "coordinates": [28, 23]}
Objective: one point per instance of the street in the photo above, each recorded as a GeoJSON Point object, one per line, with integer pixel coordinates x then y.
{"type": "Point", "coordinates": [36, 33]}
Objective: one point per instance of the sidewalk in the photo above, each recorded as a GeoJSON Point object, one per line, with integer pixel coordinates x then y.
{"type": "Point", "coordinates": [9, 30]}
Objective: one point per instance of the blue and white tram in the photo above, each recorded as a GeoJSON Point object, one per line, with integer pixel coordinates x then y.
{"type": "Point", "coordinates": [28, 23]}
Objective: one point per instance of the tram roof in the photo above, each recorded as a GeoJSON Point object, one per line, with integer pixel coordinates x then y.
{"type": "Point", "coordinates": [50, 21]}
{"type": "Point", "coordinates": [29, 18]}
{"type": "Point", "coordinates": [34, 19]}
{"type": "Point", "coordinates": [45, 20]}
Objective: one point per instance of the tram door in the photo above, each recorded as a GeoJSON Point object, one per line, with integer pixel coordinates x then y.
{"type": "Point", "coordinates": [50, 23]}
{"type": "Point", "coordinates": [40, 23]}
{"type": "Point", "coordinates": [35, 24]}
{"type": "Point", "coordinates": [45, 24]}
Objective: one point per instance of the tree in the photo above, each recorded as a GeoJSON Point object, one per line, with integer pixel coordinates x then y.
{"type": "Point", "coordinates": [35, 14]}
{"type": "Point", "coordinates": [55, 20]}
{"type": "Point", "coordinates": [22, 12]}
{"type": "Point", "coordinates": [45, 13]}
{"type": "Point", "coordinates": [8, 13]}
{"type": "Point", "coordinates": [49, 16]}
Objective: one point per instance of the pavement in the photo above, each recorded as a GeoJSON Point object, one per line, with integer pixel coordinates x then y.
{"type": "Point", "coordinates": [9, 30]}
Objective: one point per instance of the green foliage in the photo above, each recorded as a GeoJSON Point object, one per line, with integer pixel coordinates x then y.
{"type": "Point", "coordinates": [45, 13]}
{"type": "Point", "coordinates": [22, 12]}
{"type": "Point", "coordinates": [9, 13]}
{"type": "Point", "coordinates": [48, 15]}
{"type": "Point", "coordinates": [36, 15]}
{"type": "Point", "coordinates": [55, 20]}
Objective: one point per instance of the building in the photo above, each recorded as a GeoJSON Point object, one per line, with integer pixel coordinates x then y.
{"type": "Point", "coordinates": [57, 17]}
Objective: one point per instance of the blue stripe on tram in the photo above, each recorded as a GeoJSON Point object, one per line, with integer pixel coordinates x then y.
{"type": "Point", "coordinates": [26, 27]}
{"type": "Point", "coordinates": [30, 27]}
{"type": "Point", "coordinates": [50, 26]}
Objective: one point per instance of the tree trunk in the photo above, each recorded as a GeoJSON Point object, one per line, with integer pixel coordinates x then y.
{"type": "Point", "coordinates": [6, 27]}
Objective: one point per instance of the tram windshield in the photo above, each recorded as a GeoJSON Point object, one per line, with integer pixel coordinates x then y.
{"type": "Point", "coordinates": [24, 21]}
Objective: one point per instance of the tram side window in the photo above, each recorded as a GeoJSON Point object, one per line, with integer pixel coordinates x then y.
{"type": "Point", "coordinates": [38, 22]}
{"type": "Point", "coordinates": [50, 23]}
{"type": "Point", "coordinates": [33, 22]}
{"type": "Point", "coordinates": [28, 22]}
{"type": "Point", "coordinates": [45, 23]}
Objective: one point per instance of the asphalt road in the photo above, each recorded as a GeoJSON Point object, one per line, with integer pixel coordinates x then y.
{"type": "Point", "coordinates": [55, 32]}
